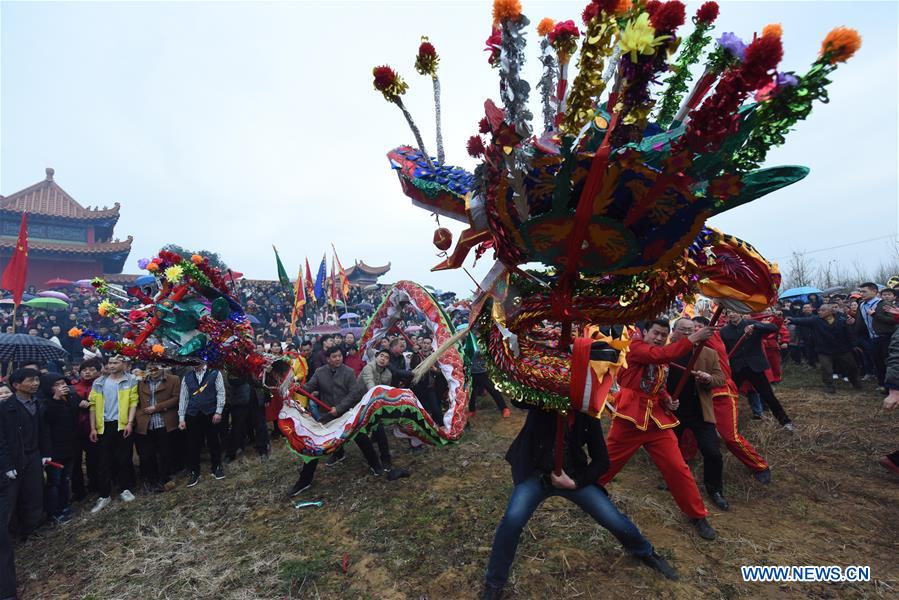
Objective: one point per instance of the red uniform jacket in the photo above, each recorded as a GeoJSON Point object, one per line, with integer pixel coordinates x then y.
{"type": "Point", "coordinates": [642, 384]}
{"type": "Point", "coordinates": [729, 388]}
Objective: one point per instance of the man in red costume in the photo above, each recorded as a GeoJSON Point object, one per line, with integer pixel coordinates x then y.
{"type": "Point", "coordinates": [724, 401]}
{"type": "Point", "coordinates": [642, 418]}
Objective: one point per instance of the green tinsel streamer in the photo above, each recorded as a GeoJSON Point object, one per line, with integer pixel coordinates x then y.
{"type": "Point", "coordinates": [775, 117]}
{"type": "Point", "coordinates": [677, 83]}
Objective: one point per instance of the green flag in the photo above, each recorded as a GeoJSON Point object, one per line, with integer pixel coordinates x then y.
{"type": "Point", "coordinates": [282, 276]}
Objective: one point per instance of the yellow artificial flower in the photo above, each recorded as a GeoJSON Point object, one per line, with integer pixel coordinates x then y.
{"type": "Point", "coordinates": [107, 309]}
{"type": "Point", "coordinates": [639, 37]}
{"type": "Point", "coordinates": [174, 273]}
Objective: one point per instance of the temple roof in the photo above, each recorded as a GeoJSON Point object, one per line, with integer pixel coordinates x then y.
{"type": "Point", "coordinates": [63, 248]}
{"type": "Point", "coordinates": [364, 268]}
{"type": "Point", "coordinates": [47, 198]}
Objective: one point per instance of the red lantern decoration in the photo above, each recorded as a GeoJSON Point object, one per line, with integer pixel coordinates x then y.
{"type": "Point", "coordinates": [443, 238]}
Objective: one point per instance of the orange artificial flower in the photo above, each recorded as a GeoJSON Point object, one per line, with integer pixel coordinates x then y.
{"type": "Point", "coordinates": [75, 332]}
{"type": "Point", "coordinates": [153, 267]}
{"type": "Point", "coordinates": [623, 6]}
{"type": "Point", "coordinates": [773, 29]}
{"type": "Point", "coordinates": [196, 259]}
{"type": "Point", "coordinates": [158, 349]}
{"type": "Point", "coordinates": [505, 9]}
{"type": "Point", "coordinates": [840, 44]}
{"type": "Point", "coordinates": [546, 25]}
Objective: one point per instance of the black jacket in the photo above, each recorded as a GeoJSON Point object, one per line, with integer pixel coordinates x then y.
{"type": "Point", "coordinates": [881, 321]}
{"type": "Point", "coordinates": [534, 448]}
{"type": "Point", "coordinates": [12, 449]}
{"type": "Point", "coordinates": [750, 353]}
{"type": "Point", "coordinates": [61, 418]}
{"type": "Point", "coordinates": [401, 375]}
{"type": "Point", "coordinates": [834, 338]}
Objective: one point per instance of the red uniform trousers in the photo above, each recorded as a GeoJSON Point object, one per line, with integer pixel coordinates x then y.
{"type": "Point", "coordinates": [726, 422]}
{"type": "Point", "coordinates": [624, 439]}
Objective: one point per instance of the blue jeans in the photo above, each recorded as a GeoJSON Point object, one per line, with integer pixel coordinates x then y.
{"type": "Point", "coordinates": [56, 490]}
{"type": "Point", "coordinates": [527, 496]}
{"type": "Point", "coordinates": [755, 402]}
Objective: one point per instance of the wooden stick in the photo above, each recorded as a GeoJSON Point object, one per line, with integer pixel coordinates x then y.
{"type": "Point", "coordinates": [696, 351]}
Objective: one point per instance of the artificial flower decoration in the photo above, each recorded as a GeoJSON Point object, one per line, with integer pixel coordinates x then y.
{"type": "Point", "coordinates": [75, 332]}
{"type": "Point", "coordinates": [639, 37]}
{"type": "Point", "coordinates": [153, 267]}
{"type": "Point", "coordinates": [129, 351]}
{"type": "Point", "coordinates": [483, 125]}
{"type": "Point", "coordinates": [545, 26]}
{"type": "Point", "coordinates": [196, 259]}
{"type": "Point", "coordinates": [669, 16]}
{"type": "Point", "coordinates": [505, 9]}
{"type": "Point", "coordinates": [773, 29]}
{"type": "Point", "coordinates": [174, 273]}
{"type": "Point", "coordinates": [427, 59]}
{"type": "Point", "coordinates": [107, 309]}
{"type": "Point", "coordinates": [108, 345]}
{"type": "Point", "coordinates": [158, 349]}
{"type": "Point", "coordinates": [475, 146]}
{"type": "Point", "coordinates": [707, 13]}
{"type": "Point", "coordinates": [733, 44]}
{"type": "Point", "coordinates": [590, 12]}
{"type": "Point", "coordinates": [142, 263]}
{"type": "Point", "coordinates": [87, 342]}
{"type": "Point", "coordinates": [494, 46]}
{"type": "Point", "coordinates": [389, 83]}
{"type": "Point", "coordinates": [564, 37]}
{"type": "Point", "coordinates": [840, 44]}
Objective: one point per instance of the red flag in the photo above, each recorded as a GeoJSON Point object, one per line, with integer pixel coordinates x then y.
{"type": "Point", "coordinates": [310, 283]}
{"type": "Point", "coordinates": [17, 269]}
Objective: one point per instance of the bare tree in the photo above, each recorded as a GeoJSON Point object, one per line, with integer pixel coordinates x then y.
{"type": "Point", "coordinates": [800, 271]}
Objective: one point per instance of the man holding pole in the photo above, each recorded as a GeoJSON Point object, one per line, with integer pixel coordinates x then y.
{"type": "Point", "coordinates": [643, 417]}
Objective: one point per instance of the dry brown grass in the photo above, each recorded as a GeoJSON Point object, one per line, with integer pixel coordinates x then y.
{"type": "Point", "coordinates": [429, 536]}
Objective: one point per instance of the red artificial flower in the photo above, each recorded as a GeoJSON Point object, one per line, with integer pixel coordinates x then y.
{"type": "Point", "coordinates": [109, 345]}
{"type": "Point", "coordinates": [707, 13]}
{"type": "Point", "coordinates": [493, 45]}
{"type": "Point", "coordinates": [129, 351]}
{"type": "Point", "coordinates": [427, 49]}
{"type": "Point", "coordinates": [128, 335]}
{"type": "Point", "coordinates": [563, 29]}
{"type": "Point", "coordinates": [591, 12]}
{"type": "Point", "coordinates": [87, 342]}
{"type": "Point", "coordinates": [384, 77]}
{"type": "Point", "coordinates": [669, 16]}
{"type": "Point", "coordinates": [761, 58]}
{"type": "Point", "coordinates": [652, 6]}
{"type": "Point", "coordinates": [483, 125]}
{"type": "Point", "coordinates": [475, 146]}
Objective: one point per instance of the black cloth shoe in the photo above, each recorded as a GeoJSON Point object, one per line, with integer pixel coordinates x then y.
{"type": "Point", "coordinates": [491, 593]}
{"type": "Point", "coordinates": [397, 473]}
{"type": "Point", "coordinates": [193, 479]}
{"type": "Point", "coordinates": [657, 563]}
{"type": "Point", "coordinates": [703, 528]}
{"type": "Point", "coordinates": [719, 500]}
{"type": "Point", "coordinates": [218, 472]}
{"type": "Point", "coordinates": [763, 477]}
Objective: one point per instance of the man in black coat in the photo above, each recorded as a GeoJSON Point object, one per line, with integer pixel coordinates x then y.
{"type": "Point", "coordinates": [24, 449]}
{"type": "Point", "coordinates": [531, 457]}
{"type": "Point", "coordinates": [834, 341]}
{"type": "Point", "coordinates": [743, 339]}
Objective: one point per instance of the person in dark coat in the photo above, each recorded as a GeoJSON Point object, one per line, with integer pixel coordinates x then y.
{"type": "Point", "coordinates": [834, 340]}
{"type": "Point", "coordinates": [61, 417]}
{"type": "Point", "coordinates": [891, 402]}
{"type": "Point", "coordinates": [743, 339]}
{"type": "Point", "coordinates": [532, 459]}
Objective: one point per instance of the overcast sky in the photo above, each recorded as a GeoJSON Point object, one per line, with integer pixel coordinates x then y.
{"type": "Point", "coordinates": [235, 126]}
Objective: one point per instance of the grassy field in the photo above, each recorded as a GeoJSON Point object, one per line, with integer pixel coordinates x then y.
{"type": "Point", "coordinates": [429, 536]}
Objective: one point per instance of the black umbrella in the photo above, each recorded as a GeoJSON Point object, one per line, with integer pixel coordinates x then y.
{"type": "Point", "coordinates": [22, 348]}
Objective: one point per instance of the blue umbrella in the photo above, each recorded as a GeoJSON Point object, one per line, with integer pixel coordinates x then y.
{"type": "Point", "coordinates": [799, 291]}
{"type": "Point", "coordinates": [145, 280]}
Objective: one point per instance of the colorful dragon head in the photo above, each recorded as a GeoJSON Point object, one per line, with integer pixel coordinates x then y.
{"type": "Point", "coordinates": [613, 197]}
